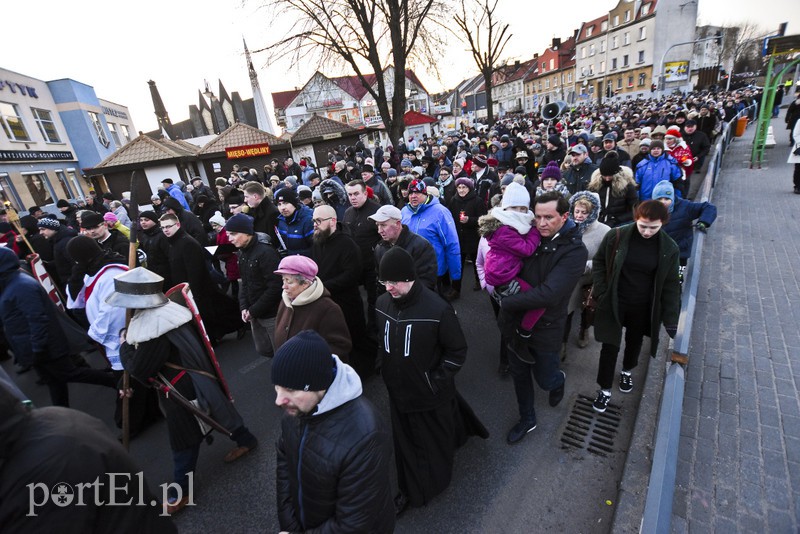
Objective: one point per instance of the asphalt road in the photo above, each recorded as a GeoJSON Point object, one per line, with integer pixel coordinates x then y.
{"type": "Point", "coordinates": [538, 485]}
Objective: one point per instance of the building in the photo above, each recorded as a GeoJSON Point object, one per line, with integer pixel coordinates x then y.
{"type": "Point", "coordinates": [552, 77]}
{"type": "Point", "coordinates": [52, 133]}
{"type": "Point", "coordinates": [508, 87]}
{"type": "Point", "coordinates": [619, 54]}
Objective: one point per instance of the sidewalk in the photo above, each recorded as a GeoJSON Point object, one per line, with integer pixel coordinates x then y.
{"type": "Point", "coordinates": [739, 457]}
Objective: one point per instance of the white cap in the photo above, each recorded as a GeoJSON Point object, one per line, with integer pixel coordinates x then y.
{"type": "Point", "coordinates": [385, 213]}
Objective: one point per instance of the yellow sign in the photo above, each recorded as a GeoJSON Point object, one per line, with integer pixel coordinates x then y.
{"type": "Point", "coordinates": [676, 71]}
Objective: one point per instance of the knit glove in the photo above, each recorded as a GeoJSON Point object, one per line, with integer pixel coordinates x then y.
{"type": "Point", "coordinates": [703, 227]}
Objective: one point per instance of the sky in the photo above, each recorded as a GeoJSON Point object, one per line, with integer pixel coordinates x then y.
{"type": "Point", "coordinates": [118, 47]}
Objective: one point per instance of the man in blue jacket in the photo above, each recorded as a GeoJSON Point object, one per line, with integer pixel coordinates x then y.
{"type": "Point", "coordinates": [425, 216]}
{"type": "Point", "coordinates": [175, 192]}
{"type": "Point", "coordinates": [295, 224]}
{"type": "Point", "coordinates": [657, 166]}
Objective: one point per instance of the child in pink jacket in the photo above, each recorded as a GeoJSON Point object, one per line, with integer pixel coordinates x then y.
{"type": "Point", "coordinates": [512, 238]}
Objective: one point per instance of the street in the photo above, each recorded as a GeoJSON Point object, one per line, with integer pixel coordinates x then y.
{"type": "Point", "coordinates": [538, 485]}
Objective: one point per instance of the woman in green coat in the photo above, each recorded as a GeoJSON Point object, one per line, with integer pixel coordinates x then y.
{"type": "Point", "coordinates": [637, 287]}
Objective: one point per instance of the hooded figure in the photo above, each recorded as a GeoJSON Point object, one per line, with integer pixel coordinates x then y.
{"type": "Point", "coordinates": [334, 195]}
{"type": "Point", "coordinates": [190, 223]}
{"type": "Point", "coordinates": [682, 214]}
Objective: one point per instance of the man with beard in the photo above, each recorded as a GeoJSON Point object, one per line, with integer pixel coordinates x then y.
{"type": "Point", "coordinates": [339, 261]}
{"type": "Point", "coordinates": [333, 453]}
{"type": "Point", "coordinates": [422, 349]}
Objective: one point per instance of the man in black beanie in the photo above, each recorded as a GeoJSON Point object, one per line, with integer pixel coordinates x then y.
{"type": "Point", "coordinates": [295, 226]}
{"type": "Point", "coordinates": [342, 438]}
{"type": "Point", "coordinates": [422, 349]}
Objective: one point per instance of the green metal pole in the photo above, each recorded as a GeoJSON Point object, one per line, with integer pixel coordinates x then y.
{"type": "Point", "coordinates": [764, 116]}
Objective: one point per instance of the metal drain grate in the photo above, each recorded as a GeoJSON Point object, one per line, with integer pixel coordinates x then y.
{"type": "Point", "coordinates": [590, 430]}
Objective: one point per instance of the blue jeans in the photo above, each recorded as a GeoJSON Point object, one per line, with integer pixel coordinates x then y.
{"type": "Point", "coordinates": [546, 371]}
{"type": "Point", "coordinates": [184, 462]}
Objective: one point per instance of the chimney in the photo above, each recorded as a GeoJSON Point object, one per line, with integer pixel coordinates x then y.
{"type": "Point", "coordinates": [556, 43]}
{"type": "Point", "coordinates": [516, 63]}
{"type": "Point", "coordinates": [536, 56]}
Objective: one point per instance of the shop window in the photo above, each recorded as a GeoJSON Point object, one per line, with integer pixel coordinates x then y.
{"type": "Point", "coordinates": [39, 188]}
{"type": "Point", "coordinates": [64, 185]}
{"type": "Point", "coordinates": [47, 127]}
{"type": "Point", "coordinates": [12, 123]}
{"type": "Point", "coordinates": [8, 193]}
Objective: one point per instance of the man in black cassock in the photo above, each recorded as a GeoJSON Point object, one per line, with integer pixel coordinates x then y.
{"type": "Point", "coordinates": [422, 348]}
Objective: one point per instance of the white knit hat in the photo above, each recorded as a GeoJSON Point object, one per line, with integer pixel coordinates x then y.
{"type": "Point", "coordinates": [515, 195]}
{"type": "Point", "coordinates": [217, 218]}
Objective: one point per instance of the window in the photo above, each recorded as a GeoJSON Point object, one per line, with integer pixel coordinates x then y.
{"type": "Point", "coordinates": [615, 42]}
{"type": "Point", "coordinates": [604, 26]}
{"type": "Point", "coordinates": [589, 31]}
{"type": "Point", "coordinates": [591, 70]}
{"type": "Point", "coordinates": [591, 50]}
{"type": "Point", "coordinates": [619, 83]}
{"type": "Point", "coordinates": [544, 66]}
{"type": "Point", "coordinates": [114, 135]}
{"type": "Point", "coordinates": [602, 47]}
{"type": "Point", "coordinates": [645, 9]}
{"type": "Point", "coordinates": [540, 86]}
{"type": "Point", "coordinates": [44, 120]}
{"type": "Point", "coordinates": [602, 67]}
{"type": "Point", "coordinates": [625, 60]}
{"type": "Point", "coordinates": [126, 132]}
{"type": "Point", "coordinates": [643, 33]}
{"type": "Point", "coordinates": [8, 193]}
{"type": "Point", "coordinates": [583, 52]}
{"type": "Point", "coordinates": [553, 63]}
{"type": "Point", "coordinates": [642, 79]}
{"type": "Point", "coordinates": [616, 21]}
{"type": "Point", "coordinates": [12, 122]}
{"type": "Point", "coordinates": [76, 184]}
{"type": "Point", "coordinates": [569, 77]}
{"type": "Point", "coordinates": [65, 187]}
{"type": "Point", "coordinates": [627, 16]}
{"type": "Point", "coordinates": [98, 128]}
{"type": "Point", "coordinates": [343, 116]}
{"type": "Point", "coordinates": [626, 38]}
{"type": "Point", "coordinates": [614, 63]}
{"type": "Point", "coordinates": [630, 80]}
{"type": "Point", "coordinates": [641, 56]}
{"type": "Point", "coordinates": [547, 83]}
{"type": "Point", "coordinates": [39, 188]}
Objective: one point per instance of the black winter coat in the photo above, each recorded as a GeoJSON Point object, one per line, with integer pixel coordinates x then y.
{"type": "Point", "coordinates": [63, 261]}
{"type": "Point", "coordinates": [261, 288]}
{"type": "Point", "coordinates": [265, 219]}
{"type": "Point", "coordinates": [339, 262]}
{"type": "Point", "coordinates": [420, 249]}
{"type": "Point", "coordinates": [577, 178]}
{"type": "Point", "coordinates": [422, 348]}
{"type": "Point", "coordinates": [154, 243]}
{"type": "Point", "coordinates": [331, 472]}
{"type": "Point", "coordinates": [363, 230]}
{"type": "Point", "coordinates": [116, 242]}
{"type": "Point", "coordinates": [552, 271]}
{"type": "Point", "coordinates": [473, 208]}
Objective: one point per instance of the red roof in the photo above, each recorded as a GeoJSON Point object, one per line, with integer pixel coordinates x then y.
{"type": "Point", "coordinates": [415, 118]}
{"type": "Point", "coordinates": [592, 23]}
{"type": "Point", "coordinates": [282, 99]}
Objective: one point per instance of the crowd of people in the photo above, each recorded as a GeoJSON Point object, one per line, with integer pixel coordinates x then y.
{"type": "Point", "coordinates": [349, 270]}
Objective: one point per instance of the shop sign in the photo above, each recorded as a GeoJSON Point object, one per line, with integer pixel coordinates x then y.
{"type": "Point", "coordinates": [248, 151]}
{"type": "Point", "coordinates": [35, 155]}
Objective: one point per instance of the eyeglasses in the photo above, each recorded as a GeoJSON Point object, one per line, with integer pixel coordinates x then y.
{"type": "Point", "coordinates": [388, 283]}
{"type": "Point", "coordinates": [168, 226]}
{"type": "Point", "coordinates": [317, 222]}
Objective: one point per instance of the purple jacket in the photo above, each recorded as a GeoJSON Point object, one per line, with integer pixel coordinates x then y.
{"type": "Point", "coordinates": [507, 249]}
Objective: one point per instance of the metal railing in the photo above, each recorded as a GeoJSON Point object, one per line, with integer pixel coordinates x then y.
{"type": "Point", "coordinates": [657, 516]}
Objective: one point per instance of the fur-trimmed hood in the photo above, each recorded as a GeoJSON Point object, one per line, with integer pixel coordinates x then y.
{"type": "Point", "coordinates": [622, 179]}
{"type": "Point", "coordinates": [592, 197]}
{"type": "Point", "coordinates": [332, 186]}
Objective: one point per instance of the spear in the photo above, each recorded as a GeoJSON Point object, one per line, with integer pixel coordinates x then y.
{"type": "Point", "coordinates": [13, 218]}
{"type": "Point", "coordinates": [126, 376]}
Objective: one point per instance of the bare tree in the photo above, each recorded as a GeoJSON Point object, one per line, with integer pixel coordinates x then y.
{"type": "Point", "coordinates": [741, 46]}
{"type": "Point", "coordinates": [376, 39]}
{"type": "Point", "coordinates": [486, 37]}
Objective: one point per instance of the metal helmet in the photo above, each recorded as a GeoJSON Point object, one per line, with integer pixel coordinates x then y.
{"type": "Point", "coordinates": [138, 289]}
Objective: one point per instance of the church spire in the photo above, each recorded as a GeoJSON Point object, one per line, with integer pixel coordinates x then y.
{"type": "Point", "coordinates": [263, 117]}
{"type": "Point", "coordinates": [164, 123]}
